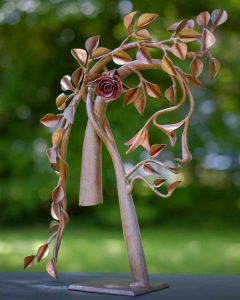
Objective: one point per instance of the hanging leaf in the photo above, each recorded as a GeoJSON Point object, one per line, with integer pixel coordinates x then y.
{"type": "Point", "coordinates": [29, 261]}
{"type": "Point", "coordinates": [170, 131]}
{"type": "Point", "coordinates": [42, 252]}
{"type": "Point", "coordinates": [171, 93]}
{"type": "Point", "coordinates": [208, 39]}
{"type": "Point", "coordinates": [129, 20]}
{"type": "Point", "coordinates": [214, 67]}
{"type": "Point", "coordinates": [153, 90]}
{"type": "Point", "coordinates": [143, 34]}
{"type": "Point", "coordinates": [156, 149]}
{"type": "Point", "coordinates": [188, 35]}
{"type": "Point", "coordinates": [65, 215]}
{"type": "Point", "coordinates": [194, 81]}
{"type": "Point", "coordinates": [159, 182]}
{"type": "Point", "coordinates": [69, 113]}
{"type": "Point", "coordinates": [55, 211]}
{"type": "Point", "coordinates": [56, 137]}
{"type": "Point", "coordinates": [196, 67]}
{"type": "Point", "coordinates": [140, 104]}
{"type": "Point", "coordinates": [121, 57]}
{"type": "Point", "coordinates": [66, 84]}
{"type": "Point", "coordinates": [143, 56]}
{"type": "Point", "coordinates": [146, 19]}
{"type": "Point", "coordinates": [100, 52]}
{"type": "Point", "coordinates": [53, 227]}
{"type": "Point", "coordinates": [51, 268]}
{"type": "Point", "coordinates": [191, 23]}
{"type": "Point", "coordinates": [92, 43]}
{"type": "Point", "coordinates": [131, 96]}
{"type": "Point", "coordinates": [203, 18]}
{"type": "Point", "coordinates": [172, 187]}
{"type": "Point", "coordinates": [218, 17]}
{"type": "Point", "coordinates": [58, 194]}
{"type": "Point", "coordinates": [149, 169]}
{"type": "Point", "coordinates": [50, 120]}
{"type": "Point", "coordinates": [186, 154]}
{"type": "Point", "coordinates": [179, 49]}
{"type": "Point", "coordinates": [76, 75]}
{"type": "Point", "coordinates": [167, 66]}
{"type": "Point", "coordinates": [80, 55]}
{"type": "Point", "coordinates": [181, 25]}
{"type": "Point", "coordinates": [52, 155]}
{"type": "Point", "coordinates": [61, 101]}
{"type": "Point", "coordinates": [140, 139]}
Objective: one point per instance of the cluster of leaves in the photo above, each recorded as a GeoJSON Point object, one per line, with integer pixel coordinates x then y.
{"type": "Point", "coordinates": [75, 88]}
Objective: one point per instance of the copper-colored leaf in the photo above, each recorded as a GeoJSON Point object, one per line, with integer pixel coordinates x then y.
{"type": "Point", "coordinates": [180, 50]}
{"type": "Point", "coordinates": [129, 20]}
{"type": "Point", "coordinates": [53, 227]}
{"type": "Point", "coordinates": [196, 67]}
{"type": "Point", "coordinates": [50, 120]}
{"type": "Point", "coordinates": [58, 194]}
{"type": "Point", "coordinates": [100, 52]}
{"type": "Point", "coordinates": [56, 137]}
{"type": "Point", "coordinates": [66, 84]}
{"type": "Point", "coordinates": [55, 211]}
{"type": "Point", "coordinates": [214, 67]}
{"type": "Point", "coordinates": [143, 34]}
{"type": "Point", "coordinates": [146, 19]}
{"type": "Point", "coordinates": [143, 55]}
{"type": "Point", "coordinates": [186, 154]}
{"type": "Point", "coordinates": [69, 113]}
{"type": "Point", "coordinates": [170, 131]}
{"type": "Point", "coordinates": [153, 90]}
{"type": "Point", "coordinates": [208, 39]}
{"type": "Point", "coordinates": [194, 81]}
{"type": "Point", "coordinates": [52, 155]}
{"type": "Point", "coordinates": [156, 149]}
{"type": "Point", "coordinates": [131, 96]}
{"type": "Point", "coordinates": [218, 17]}
{"type": "Point", "coordinates": [80, 55]}
{"type": "Point", "coordinates": [51, 268]}
{"type": "Point", "coordinates": [140, 104]}
{"type": "Point", "coordinates": [170, 94]}
{"type": "Point", "coordinates": [191, 23]}
{"type": "Point", "coordinates": [203, 18]}
{"type": "Point", "coordinates": [149, 169]}
{"type": "Point", "coordinates": [172, 187]}
{"type": "Point", "coordinates": [76, 75]}
{"type": "Point", "coordinates": [92, 43]}
{"type": "Point", "coordinates": [42, 252]}
{"type": "Point", "coordinates": [121, 57]}
{"type": "Point", "coordinates": [188, 35]}
{"type": "Point", "coordinates": [181, 25]}
{"type": "Point", "coordinates": [158, 182]}
{"type": "Point", "coordinates": [29, 261]}
{"type": "Point", "coordinates": [61, 101]}
{"type": "Point", "coordinates": [140, 139]}
{"type": "Point", "coordinates": [167, 66]}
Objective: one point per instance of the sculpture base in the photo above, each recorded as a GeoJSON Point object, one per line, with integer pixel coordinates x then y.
{"type": "Point", "coordinates": [115, 286]}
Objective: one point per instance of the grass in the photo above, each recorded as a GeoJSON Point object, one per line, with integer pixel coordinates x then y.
{"type": "Point", "coordinates": [167, 249]}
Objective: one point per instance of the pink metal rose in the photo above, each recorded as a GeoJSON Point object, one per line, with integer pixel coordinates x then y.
{"type": "Point", "coordinates": [109, 87]}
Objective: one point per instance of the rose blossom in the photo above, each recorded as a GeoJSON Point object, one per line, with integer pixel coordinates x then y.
{"type": "Point", "coordinates": [109, 87]}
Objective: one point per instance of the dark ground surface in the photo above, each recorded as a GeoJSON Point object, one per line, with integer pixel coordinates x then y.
{"type": "Point", "coordinates": [22, 286]}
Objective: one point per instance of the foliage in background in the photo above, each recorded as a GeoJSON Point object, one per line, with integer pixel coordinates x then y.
{"type": "Point", "coordinates": [35, 42]}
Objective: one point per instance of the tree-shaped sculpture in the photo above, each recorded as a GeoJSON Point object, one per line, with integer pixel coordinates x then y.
{"type": "Point", "coordinates": [93, 77]}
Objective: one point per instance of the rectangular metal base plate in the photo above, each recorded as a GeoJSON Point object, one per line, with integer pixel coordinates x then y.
{"type": "Point", "coordinates": [115, 286]}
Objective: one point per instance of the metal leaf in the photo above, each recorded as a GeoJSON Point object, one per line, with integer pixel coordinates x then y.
{"type": "Point", "coordinates": [149, 169]}
{"type": "Point", "coordinates": [140, 104]}
{"type": "Point", "coordinates": [131, 96]}
{"type": "Point", "coordinates": [55, 211]}
{"type": "Point", "coordinates": [203, 18]}
{"type": "Point", "coordinates": [100, 52]}
{"type": "Point", "coordinates": [170, 94]}
{"type": "Point", "coordinates": [172, 187]}
{"type": "Point", "coordinates": [92, 43]}
{"type": "Point", "coordinates": [69, 113]}
{"type": "Point", "coordinates": [179, 49]}
{"type": "Point", "coordinates": [56, 137]}
{"type": "Point", "coordinates": [51, 268]}
{"type": "Point", "coordinates": [129, 20]}
{"type": "Point", "coordinates": [196, 67]}
{"type": "Point", "coordinates": [170, 131]}
{"type": "Point", "coordinates": [140, 139]}
{"type": "Point", "coordinates": [153, 90]}
{"type": "Point", "coordinates": [42, 252]}
{"type": "Point", "coordinates": [76, 75]}
{"type": "Point", "coordinates": [186, 154]}
{"type": "Point", "coordinates": [208, 39]}
{"type": "Point", "coordinates": [167, 66]}
{"type": "Point", "coordinates": [143, 34]}
{"type": "Point", "coordinates": [58, 194]}
{"type": "Point", "coordinates": [53, 227]}
{"type": "Point", "coordinates": [66, 84]}
{"type": "Point", "coordinates": [194, 81]}
{"type": "Point", "coordinates": [188, 35]}
{"type": "Point", "coordinates": [80, 55]}
{"type": "Point", "coordinates": [218, 17]}
{"type": "Point", "coordinates": [146, 19]}
{"type": "Point", "coordinates": [50, 120]}
{"type": "Point", "coordinates": [61, 101]}
{"type": "Point", "coordinates": [52, 155]}
{"type": "Point", "coordinates": [143, 56]}
{"type": "Point", "coordinates": [121, 57]}
{"type": "Point", "coordinates": [159, 182]}
{"type": "Point", "coordinates": [214, 67]}
{"type": "Point", "coordinates": [181, 25]}
{"type": "Point", "coordinates": [156, 149]}
{"type": "Point", "coordinates": [29, 261]}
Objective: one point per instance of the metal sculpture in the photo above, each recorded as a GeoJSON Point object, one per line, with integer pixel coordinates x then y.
{"type": "Point", "coordinates": [93, 78]}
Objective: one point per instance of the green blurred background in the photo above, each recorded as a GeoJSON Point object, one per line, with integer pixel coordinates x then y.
{"type": "Point", "coordinates": [197, 230]}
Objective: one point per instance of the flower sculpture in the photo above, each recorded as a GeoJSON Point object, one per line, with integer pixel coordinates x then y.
{"type": "Point", "coordinates": [94, 78]}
